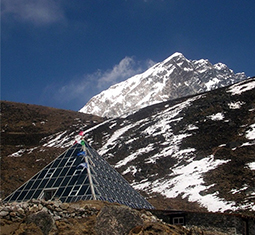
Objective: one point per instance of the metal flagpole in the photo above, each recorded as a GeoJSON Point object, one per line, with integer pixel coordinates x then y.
{"type": "Point", "coordinates": [88, 170]}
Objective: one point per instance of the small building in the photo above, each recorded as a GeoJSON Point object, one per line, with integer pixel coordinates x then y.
{"type": "Point", "coordinates": [221, 222]}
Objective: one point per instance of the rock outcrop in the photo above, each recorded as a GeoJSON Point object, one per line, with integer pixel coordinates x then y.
{"type": "Point", "coordinates": [85, 217]}
{"type": "Point", "coordinates": [117, 220]}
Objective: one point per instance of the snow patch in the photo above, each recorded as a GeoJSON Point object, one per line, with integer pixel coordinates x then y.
{"type": "Point", "coordinates": [236, 105]}
{"type": "Point", "coordinates": [61, 140]}
{"type": "Point", "coordinates": [251, 165]}
{"type": "Point", "coordinates": [192, 127]}
{"type": "Point", "coordinates": [250, 134]}
{"type": "Point", "coordinates": [18, 153]}
{"type": "Point", "coordinates": [188, 182]}
{"type": "Point", "coordinates": [216, 117]}
{"type": "Point", "coordinates": [22, 151]}
{"type": "Point", "coordinates": [131, 169]}
{"type": "Point", "coordinates": [210, 85]}
{"type": "Point", "coordinates": [115, 136]}
{"type": "Point", "coordinates": [238, 89]}
{"type": "Point", "coordinates": [134, 156]}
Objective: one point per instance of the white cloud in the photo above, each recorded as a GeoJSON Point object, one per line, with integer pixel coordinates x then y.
{"type": "Point", "coordinates": [122, 70]}
{"type": "Point", "coordinates": [126, 68]}
{"type": "Point", "coordinates": [83, 88]}
{"type": "Point", "coordinates": [39, 12]}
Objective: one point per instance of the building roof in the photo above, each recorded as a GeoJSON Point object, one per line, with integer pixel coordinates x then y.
{"type": "Point", "coordinates": [79, 173]}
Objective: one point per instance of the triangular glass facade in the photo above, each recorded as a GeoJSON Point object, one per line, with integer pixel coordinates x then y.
{"type": "Point", "coordinates": [79, 174]}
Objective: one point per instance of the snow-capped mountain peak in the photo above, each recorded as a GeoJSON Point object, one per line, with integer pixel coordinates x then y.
{"type": "Point", "coordinates": [172, 78]}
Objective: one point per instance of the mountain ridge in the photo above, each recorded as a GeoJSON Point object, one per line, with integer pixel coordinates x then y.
{"type": "Point", "coordinates": [172, 78]}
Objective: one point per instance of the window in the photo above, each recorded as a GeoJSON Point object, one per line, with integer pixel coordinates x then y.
{"type": "Point", "coordinates": [178, 220]}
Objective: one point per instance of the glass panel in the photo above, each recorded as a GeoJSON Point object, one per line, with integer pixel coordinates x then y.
{"type": "Point", "coordinates": [64, 172]}
{"type": "Point", "coordinates": [59, 192]}
{"type": "Point", "coordinates": [83, 189]}
{"type": "Point", "coordinates": [56, 163]}
{"type": "Point", "coordinates": [8, 198]}
{"type": "Point", "coordinates": [67, 191]}
{"type": "Point", "coordinates": [49, 173]}
{"type": "Point", "coordinates": [71, 170]}
{"type": "Point", "coordinates": [22, 195]}
{"type": "Point", "coordinates": [57, 182]}
{"type": "Point", "coordinates": [66, 180]}
{"type": "Point", "coordinates": [69, 162]}
{"type": "Point", "coordinates": [29, 195]}
{"type": "Point", "coordinates": [29, 184]}
{"type": "Point", "coordinates": [73, 180]}
{"type": "Point", "coordinates": [68, 199]}
{"type": "Point", "coordinates": [43, 183]}
{"type": "Point", "coordinates": [56, 173]}
{"type": "Point", "coordinates": [77, 161]}
{"type": "Point", "coordinates": [37, 182]}
{"type": "Point", "coordinates": [22, 187]}
{"type": "Point", "coordinates": [69, 152]}
{"type": "Point", "coordinates": [89, 191]}
{"type": "Point", "coordinates": [62, 163]}
{"type": "Point", "coordinates": [42, 174]}
{"type": "Point", "coordinates": [50, 183]}
{"type": "Point", "coordinates": [37, 193]}
{"type": "Point", "coordinates": [81, 179]}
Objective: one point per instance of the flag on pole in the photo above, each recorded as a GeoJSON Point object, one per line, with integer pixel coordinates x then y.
{"type": "Point", "coordinates": [82, 142]}
{"type": "Point", "coordinates": [84, 165]}
{"type": "Point", "coordinates": [81, 153]}
{"type": "Point", "coordinates": [81, 133]}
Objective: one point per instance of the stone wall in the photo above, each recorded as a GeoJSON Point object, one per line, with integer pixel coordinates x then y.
{"type": "Point", "coordinates": [84, 217]}
{"type": "Point", "coordinates": [17, 211]}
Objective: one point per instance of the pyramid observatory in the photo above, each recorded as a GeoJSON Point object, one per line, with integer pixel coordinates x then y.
{"type": "Point", "coordinates": [79, 173]}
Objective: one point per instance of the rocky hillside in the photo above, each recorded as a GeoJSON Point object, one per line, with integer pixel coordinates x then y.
{"type": "Point", "coordinates": [198, 149]}
{"type": "Point", "coordinates": [193, 153]}
{"type": "Point", "coordinates": [170, 79]}
{"type": "Point", "coordinates": [87, 217]}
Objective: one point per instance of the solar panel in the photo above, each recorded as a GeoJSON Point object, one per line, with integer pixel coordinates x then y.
{"type": "Point", "coordinates": [79, 173]}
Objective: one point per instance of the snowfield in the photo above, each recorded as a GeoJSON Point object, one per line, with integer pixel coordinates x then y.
{"type": "Point", "coordinates": [188, 181]}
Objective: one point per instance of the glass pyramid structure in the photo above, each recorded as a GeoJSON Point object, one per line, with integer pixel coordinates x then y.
{"type": "Point", "coordinates": [79, 173]}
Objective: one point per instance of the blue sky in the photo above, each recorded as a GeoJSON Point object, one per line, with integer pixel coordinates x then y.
{"type": "Point", "coordinates": [60, 53]}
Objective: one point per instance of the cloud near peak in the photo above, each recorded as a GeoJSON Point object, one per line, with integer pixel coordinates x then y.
{"type": "Point", "coordinates": [84, 88]}
{"type": "Point", "coordinates": [126, 68]}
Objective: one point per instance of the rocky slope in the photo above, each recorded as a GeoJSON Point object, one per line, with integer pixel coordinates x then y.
{"type": "Point", "coordinates": [200, 148]}
{"type": "Point", "coordinates": [86, 217]}
{"type": "Point", "coordinates": [195, 152]}
{"type": "Point", "coordinates": [175, 77]}
{"type": "Point", "coordinates": [90, 217]}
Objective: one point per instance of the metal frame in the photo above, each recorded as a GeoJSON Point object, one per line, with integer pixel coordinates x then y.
{"type": "Point", "coordinates": [98, 181]}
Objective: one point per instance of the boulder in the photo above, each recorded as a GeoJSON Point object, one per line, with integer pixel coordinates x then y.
{"type": "Point", "coordinates": [3, 213]}
{"type": "Point", "coordinates": [117, 220]}
{"type": "Point", "coordinates": [43, 220]}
